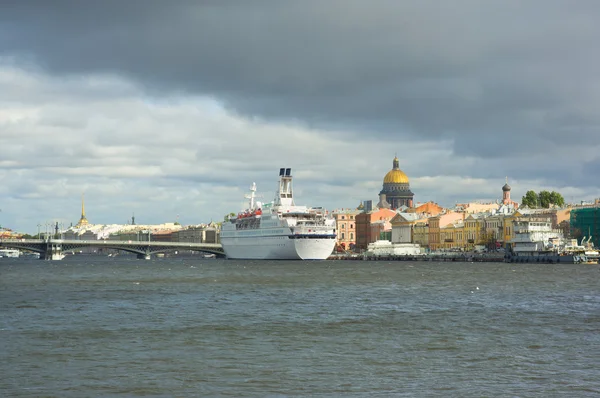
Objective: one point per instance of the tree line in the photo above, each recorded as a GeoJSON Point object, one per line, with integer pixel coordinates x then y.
{"type": "Point", "coordinates": [543, 199]}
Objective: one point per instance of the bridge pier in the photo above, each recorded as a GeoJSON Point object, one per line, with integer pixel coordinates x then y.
{"type": "Point", "coordinates": [53, 251]}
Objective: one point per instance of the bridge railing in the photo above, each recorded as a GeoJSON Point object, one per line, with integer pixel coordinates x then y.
{"type": "Point", "coordinates": [114, 242]}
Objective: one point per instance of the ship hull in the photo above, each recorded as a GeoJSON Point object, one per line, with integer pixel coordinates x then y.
{"type": "Point", "coordinates": [277, 248]}
{"type": "Point", "coordinates": [544, 258]}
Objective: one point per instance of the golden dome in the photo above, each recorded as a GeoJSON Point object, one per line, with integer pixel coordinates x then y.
{"type": "Point", "coordinates": [395, 175]}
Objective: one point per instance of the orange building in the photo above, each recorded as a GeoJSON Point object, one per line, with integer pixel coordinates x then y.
{"type": "Point", "coordinates": [365, 233]}
{"type": "Point", "coordinates": [429, 208]}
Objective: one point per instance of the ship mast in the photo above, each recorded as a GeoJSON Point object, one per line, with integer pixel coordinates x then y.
{"type": "Point", "coordinates": [251, 196]}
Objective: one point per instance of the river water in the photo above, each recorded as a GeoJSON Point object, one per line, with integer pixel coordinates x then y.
{"type": "Point", "coordinates": [176, 327]}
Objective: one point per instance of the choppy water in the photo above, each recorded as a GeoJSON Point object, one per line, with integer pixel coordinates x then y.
{"type": "Point", "coordinates": [91, 326]}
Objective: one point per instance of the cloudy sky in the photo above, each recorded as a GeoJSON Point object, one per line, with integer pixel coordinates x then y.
{"type": "Point", "coordinates": [170, 110]}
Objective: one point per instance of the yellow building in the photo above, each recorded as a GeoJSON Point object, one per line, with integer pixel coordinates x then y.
{"type": "Point", "coordinates": [345, 220]}
{"type": "Point", "coordinates": [508, 227]}
{"type": "Point", "coordinates": [436, 241]}
{"type": "Point", "coordinates": [472, 231]}
{"type": "Point", "coordinates": [452, 236]}
{"type": "Point", "coordinates": [493, 231]}
{"type": "Point", "coordinates": [421, 234]}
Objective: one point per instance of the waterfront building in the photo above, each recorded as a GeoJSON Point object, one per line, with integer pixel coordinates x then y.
{"type": "Point", "coordinates": [403, 225]}
{"type": "Point", "coordinates": [452, 235]}
{"type": "Point", "coordinates": [381, 230]}
{"type": "Point", "coordinates": [345, 221]}
{"type": "Point", "coordinates": [212, 234]}
{"type": "Point", "coordinates": [558, 218]}
{"type": "Point", "coordinates": [556, 215]}
{"type": "Point", "coordinates": [396, 189]}
{"type": "Point", "coordinates": [473, 228]}
{"type": "Point", "coordinates": [117, 231]}
{"type": "Point", "coordinates": [192, 234]}
{"type": "Point", "coordinates": [438, 222]}
{"type": "Point", "coordinates": [429, 209]}
{"type": "Point", "coordinates": [475, 207]}
{"type": "Point", "coordinates": [493, 231]}
{"type": "Point", "coordinates": [421, 234]}
{"type": "Point", "coordinates": [585, 223]}
{"type": "Point", "coordinates": [365, 234]}
{"type": "Point", "coordinates": [7, 233]}
{"type": "Point", "coordinates": [508, 226]}
{"type": "Point", "coordinates": [162, 236]}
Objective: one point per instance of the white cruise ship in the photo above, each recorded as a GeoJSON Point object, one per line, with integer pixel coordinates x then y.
{"type": "Point", "coordinates": [279, 230]}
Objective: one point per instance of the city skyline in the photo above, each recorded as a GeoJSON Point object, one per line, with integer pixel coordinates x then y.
{"type": "Point", "coordinates": [172, 111]}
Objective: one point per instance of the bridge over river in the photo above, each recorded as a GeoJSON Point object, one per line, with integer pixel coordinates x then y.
{"type": "Point", "coordinates": [54, 249]}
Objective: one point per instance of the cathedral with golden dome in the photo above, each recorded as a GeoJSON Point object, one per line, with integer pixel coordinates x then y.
{"type": "Point", "coordinates": [396, 189]}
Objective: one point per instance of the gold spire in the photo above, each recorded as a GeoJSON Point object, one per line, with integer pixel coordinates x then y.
{"type": "Point", "coordinates": [82, 221]}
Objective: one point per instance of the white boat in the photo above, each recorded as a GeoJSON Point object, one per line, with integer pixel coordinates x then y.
{"type": "Point", "coordinates": [279, 230]}
{"type": "Point", "coordinates": [536, 242]}
{"type": "Point", "coordinates": [385, 248]}
{"type": "Point", "coordinates": [12, 253]}
{"type": "Point", "coordinates": [592, 254]}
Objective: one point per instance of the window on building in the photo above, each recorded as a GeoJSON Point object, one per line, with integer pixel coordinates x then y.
{"type": "Point", "coordinates": [351, 235]}
{"type": "Point", "coordinates": [343, 217]}
{"type": "Point", "coordinates": [343, 237]}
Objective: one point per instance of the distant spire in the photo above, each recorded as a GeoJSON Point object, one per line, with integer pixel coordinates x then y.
{"type": "Point", "coordinates": [82, 221]}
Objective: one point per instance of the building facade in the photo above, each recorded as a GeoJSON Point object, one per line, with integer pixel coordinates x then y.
{"type": "Point", "coordinates": [366, 234]}
{"type": "Point", "coordinates": [345, 221]}
{"type": "Point", "coordinates": [403, 225]}
{"type": "Point", "coordinates": [435, 225]}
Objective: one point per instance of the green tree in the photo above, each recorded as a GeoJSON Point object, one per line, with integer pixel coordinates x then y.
{"type": "Point", "coordinates": [530, 199]}
{"type": "Point", "coordinates": [228, 216]}
{"type": "Point", "coordinates": [544, 197]}
{"type": "Point", "coordinates": [557, 199]}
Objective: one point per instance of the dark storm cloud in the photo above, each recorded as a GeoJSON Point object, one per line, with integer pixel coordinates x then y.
{"type": "Point", "coordinates": [497, 79]}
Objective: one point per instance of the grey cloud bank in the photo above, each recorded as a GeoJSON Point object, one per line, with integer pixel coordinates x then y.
{"type": "Point", "coordinates": [159, 107]}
